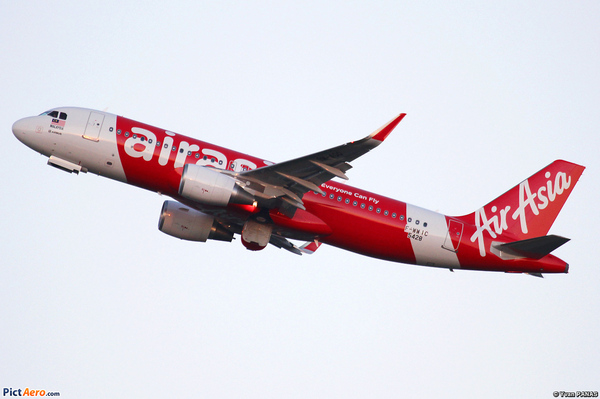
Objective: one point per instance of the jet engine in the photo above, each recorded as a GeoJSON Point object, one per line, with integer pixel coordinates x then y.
{"type": "Point", "coordinates": [208, 186]}
{"type": "Point", "coordinates": [180, 221]}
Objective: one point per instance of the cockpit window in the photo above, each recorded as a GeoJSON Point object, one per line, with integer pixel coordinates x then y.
{"type": "Point", "coordinates": [55, 114]}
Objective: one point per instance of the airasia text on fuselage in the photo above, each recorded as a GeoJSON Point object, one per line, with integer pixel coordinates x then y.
{"type": "Point", "coordinates": [143, 143]}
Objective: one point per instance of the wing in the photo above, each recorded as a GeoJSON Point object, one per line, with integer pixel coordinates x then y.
{"type": "Point", "coordinates": [282, 185]}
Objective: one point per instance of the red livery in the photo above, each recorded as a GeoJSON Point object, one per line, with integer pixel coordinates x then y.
{"type": "Point", "coordinates": [219, 193]}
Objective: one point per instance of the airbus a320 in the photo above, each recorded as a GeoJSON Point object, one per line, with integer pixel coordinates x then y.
{"type": "Point", "coordinates": [219, 193]}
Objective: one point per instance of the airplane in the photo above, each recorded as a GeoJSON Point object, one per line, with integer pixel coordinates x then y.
{"type": "Point", "coordinates": [218, 193]}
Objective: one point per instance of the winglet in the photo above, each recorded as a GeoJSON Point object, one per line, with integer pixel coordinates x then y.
{"type": "Point", "coordinates": [384, 131]}
{"type": "Point", "coordinates": [310, 247]}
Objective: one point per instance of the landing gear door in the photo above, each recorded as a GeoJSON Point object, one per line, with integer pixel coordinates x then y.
{"type": "Point", "coordinates": [455, 230]}
{"type": "Point", "coordinates": [94, 124]}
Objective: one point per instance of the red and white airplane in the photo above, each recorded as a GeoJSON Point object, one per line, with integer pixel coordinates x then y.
{"type": "Point", "coordinates": [219, 192]}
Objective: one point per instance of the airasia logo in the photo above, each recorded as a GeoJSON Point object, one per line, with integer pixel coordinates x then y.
{"type": "Point", "coordinates": [535, 200]}
{"type": "Point", "coordinates": [142, 144]}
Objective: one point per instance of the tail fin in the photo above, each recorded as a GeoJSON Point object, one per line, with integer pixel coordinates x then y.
{"type": "Point", "coordinates": [529, 209]}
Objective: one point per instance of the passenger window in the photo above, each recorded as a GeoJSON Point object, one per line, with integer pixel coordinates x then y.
{"type": "Point", "coordinates": [63, 116]}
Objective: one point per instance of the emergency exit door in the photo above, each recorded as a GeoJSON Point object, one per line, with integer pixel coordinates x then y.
{"type": "Point", "coordinates": [94, 124]}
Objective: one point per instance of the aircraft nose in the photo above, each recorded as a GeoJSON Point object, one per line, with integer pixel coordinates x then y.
{"type": "Point", "coordinates": [25, 131]}
{"type": "Point", "coordinates": [20, 128]}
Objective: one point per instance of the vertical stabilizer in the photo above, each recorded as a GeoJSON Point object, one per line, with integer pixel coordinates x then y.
{"type": "Point", "coordinates": [529, 209]}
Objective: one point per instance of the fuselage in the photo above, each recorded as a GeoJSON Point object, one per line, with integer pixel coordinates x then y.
{"type": "Point", "coordinates": [344, 216]}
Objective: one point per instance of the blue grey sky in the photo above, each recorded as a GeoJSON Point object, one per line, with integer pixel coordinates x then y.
{"type": "Point", "coordinates": [96, 302]}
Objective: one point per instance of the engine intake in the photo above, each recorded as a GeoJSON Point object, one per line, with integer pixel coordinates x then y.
{"type": "Point", "coordinates": [180, 221]}
{"type": "Point", "coordinates": [208, 186]}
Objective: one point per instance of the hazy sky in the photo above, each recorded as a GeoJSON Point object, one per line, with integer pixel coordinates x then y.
{"type": "Point", "coordinates": [97, 303]}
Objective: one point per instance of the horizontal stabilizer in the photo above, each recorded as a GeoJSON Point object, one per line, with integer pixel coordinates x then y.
{"type": "Point", "coordinates": [533, 248]}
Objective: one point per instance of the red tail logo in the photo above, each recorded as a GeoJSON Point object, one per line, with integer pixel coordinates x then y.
{"type": "Point", "coordinates": [529, 209]}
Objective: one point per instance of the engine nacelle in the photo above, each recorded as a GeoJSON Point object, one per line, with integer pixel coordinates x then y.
{"type": "Point", "coordinates": [208, 186]}
{"type": "Point", "coordinates": [180, 221]}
